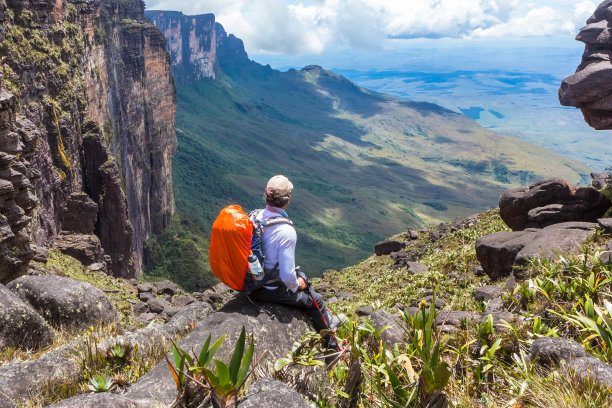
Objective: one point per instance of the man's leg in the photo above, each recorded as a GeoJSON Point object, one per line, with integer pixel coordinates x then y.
{"type": "Point", "coordinates": [314, 305]}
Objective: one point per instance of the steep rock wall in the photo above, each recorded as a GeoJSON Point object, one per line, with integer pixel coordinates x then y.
{"type": "Point", "coordinates": [90, 83]}
{"type": "Point", "coordinates": [191, 43]}
{"type": "Point", "coordinates": [590, 88]}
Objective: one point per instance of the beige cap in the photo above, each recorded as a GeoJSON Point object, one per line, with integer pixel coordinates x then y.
{"type": "Point", "coordinates": [279, 186]}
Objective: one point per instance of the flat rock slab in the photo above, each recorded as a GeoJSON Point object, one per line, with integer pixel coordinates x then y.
{"type": "Point", "coordinates": [270, 393]}
{"type": "Point", "coordinates": [275, 334]}
{"type": "Point", "coordinates": [499, 253]}
{"type": "Point", "coordinates": [551, 201]}
{"type": "Point", "coordinates": [20, 325]}
{"type": "Point", "coordinates": [488, 292]}
{"type": "Point", "coordinates": [101, 400]}
{"type": "Point", "coordinates": [65, 302]}
{"type": "Point", "coordinates": [416, 268]}
{"type": "Point", "coordinates": [393, 334]}
{"type": "Point", "coordinates": [605, 224]}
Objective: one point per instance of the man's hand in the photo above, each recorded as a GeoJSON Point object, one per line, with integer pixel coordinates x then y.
{"type": "Point", "coordinates": [302, 283]}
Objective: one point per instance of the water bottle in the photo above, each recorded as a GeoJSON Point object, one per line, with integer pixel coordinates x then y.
{"type": "Point", "coordinates": [255, 268]}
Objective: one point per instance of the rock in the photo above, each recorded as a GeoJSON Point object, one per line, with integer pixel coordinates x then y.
{"type": "Point", "coordinates": [549, 351]}
{"type": "Point", "coordinates": [79, 215]}
{"type": "Point", "coordinates": [99, 400]}
{"type": "Point", "coordinates": [169, 313]}
{"type": "Point", "coordinates": [166, 288]}
{"type": "Point", "coordinates": [589, 89]}
{"type": "Point", "coordinates": [605, 224]}
{"type": "Point", "coordinates": [499, 317]}
{"type": "Point", "coordinates": [434, 235]}
{"type": "Point", "coordinates": [511, 284]}
{"type": "Point", "coordinates": [144, 288]}
{"type": "Point", "coordinates": [457, 223]}
{"type": "Point", "coordinates": [141, 307]}
{"type": "Point", "coordinates": [593, 369]}
{"type": "Point", "coordinates": [478, 270]}
{"type": "Point", "coordinates": [442, 228]}
{"type": "Point", "coordinates": [386, 247]}
{"type": "Point", "coordinates": [494, 306]}
{"type": "Point", "coordinates": [182, 301]}
{"type": "Point", "coordinates": [342, 296]}
{"type": "Point", "coordinates": [416, 268]}
{"type": "Point", "coordinates": [488, 292]}
{"type": "Point", "coordinates": [499, 253]}
{"type": "Point", "coordinates": [157, 305]}
{"type": "Point", "coordinates": [551, 201]}
{"type": "Point", "coordinates": [86, 248]}
{"type": "Point", "coordinates": [275, 334]}
{"type": "Point", "coordinates": [20, 325]}
{"type": "Point", "coordinates": [394, 334]}
{"type": "Point", "coordinates": [413, 234]}
{"type": "Point", "coordinates": [65, 302]}
{"type": "Point", "coordinates": [146, 296]}
{"type": "Point", "coordinates": [97, 267]}
{"type": "Point", "coordinates": [601, 180]}
{"type": "Point", "coordinates": [456, 318]}
{"type": "Point", "coordinates": [148, 317]}
{"type": "Point", "coordinates": [270, 393]}
{"type": "Point", "coordinates": [363, 311]}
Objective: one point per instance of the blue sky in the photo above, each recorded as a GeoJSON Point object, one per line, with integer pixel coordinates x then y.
{"type": "Point", "coordinates": [312, 27]}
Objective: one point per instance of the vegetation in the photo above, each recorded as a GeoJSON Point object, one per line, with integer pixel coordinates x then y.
{"type": "Point", "coordinates": [223, 384]}
{"type": "Point", "coordinates": [481, 364]}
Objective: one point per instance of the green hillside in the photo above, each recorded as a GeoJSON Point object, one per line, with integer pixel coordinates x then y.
{"type": "Point", "coordinates": [364, 165]}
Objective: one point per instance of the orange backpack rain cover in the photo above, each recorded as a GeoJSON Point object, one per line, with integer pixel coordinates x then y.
{"type": "Point", "coordinates": [230, 246]}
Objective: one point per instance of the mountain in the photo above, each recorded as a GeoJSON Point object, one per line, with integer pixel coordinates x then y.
{"type": "Point", "coordinates": [87, 104]}
{"type": "Point", "coordinates": [365, 165]}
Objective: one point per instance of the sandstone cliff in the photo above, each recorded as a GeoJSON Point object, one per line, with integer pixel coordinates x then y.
{"type": "Point", "coordinates": [87, 106]}
{"type": "Point", "coordinates": [191, 41]}
{"type": "Point", "coordinates": [590, 88]}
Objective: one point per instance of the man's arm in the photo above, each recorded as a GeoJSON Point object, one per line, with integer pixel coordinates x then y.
{"type": "Point", "coordinates": [286, 257]}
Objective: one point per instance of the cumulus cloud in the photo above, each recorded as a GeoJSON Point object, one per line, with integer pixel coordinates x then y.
{"type": "Point", "coordinates": [313, 26]}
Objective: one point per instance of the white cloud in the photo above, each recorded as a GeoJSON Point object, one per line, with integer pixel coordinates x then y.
{"type": "Point", "coordinates": [312, 26]}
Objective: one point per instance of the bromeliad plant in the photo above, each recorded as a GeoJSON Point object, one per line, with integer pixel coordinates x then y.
{"type": "Point", "coordinates": [225, 381]}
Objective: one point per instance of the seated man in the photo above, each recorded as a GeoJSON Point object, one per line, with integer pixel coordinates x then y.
{"type": "Point", "coordinates": [279, 240]}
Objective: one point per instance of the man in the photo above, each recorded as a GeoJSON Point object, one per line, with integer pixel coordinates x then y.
{"type": "Point", "coordinates": [279, 240]}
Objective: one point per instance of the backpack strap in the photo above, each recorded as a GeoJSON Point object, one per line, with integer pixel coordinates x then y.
{"type": "Point", "coordinates": [276, 220]}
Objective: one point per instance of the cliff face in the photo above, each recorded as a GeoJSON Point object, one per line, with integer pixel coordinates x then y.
{"type": "Point", "coordinates": [87, 120]}
{"type": "Point", "coordinates": [191, 41]}
{"type": "Point", "coordinates": [590, 88]}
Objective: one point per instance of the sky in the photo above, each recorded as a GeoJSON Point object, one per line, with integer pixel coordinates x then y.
{"type": "Point", "coordinates": [313, 27]}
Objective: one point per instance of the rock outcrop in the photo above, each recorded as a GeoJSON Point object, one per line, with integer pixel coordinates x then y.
{"type": "Point", "coordinates": [192, 43]}
{"type": "Point", "coordinates": [590, 88]}
{"type": "Point", "coordinates": [87, 108]}
{"type": "Point", "coordinates": [549, 202]}
{"type": "Point", "coordinates": [65, 303]}
{"type": "Point", "coordinates": [20, 325]}
{"type": "Point", "coordinates": [499, 253]}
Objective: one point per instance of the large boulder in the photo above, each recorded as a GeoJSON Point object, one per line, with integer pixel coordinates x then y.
{"type": "Point", "coordinates": [549, 351]}
{"type": "Point", "coordinates": [65, 302]}
{"type": "Point", "coordinates": [275, 328]}
{"type": "Point", "coordinates": [499, 253]}
{"type": "Point", "coordinates": [20, 325]}
{"type": "Point", "coordinates": [549, 202]}
{"type": "Point", "coordinates": [591, 86]}
{"type": "Point", "coordinates": [393, 332]}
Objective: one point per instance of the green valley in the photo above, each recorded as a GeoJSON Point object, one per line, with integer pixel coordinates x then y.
{"type": "Point", "coordinates": [364, 165]}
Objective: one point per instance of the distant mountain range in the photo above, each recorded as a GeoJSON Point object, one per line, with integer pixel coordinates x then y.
{"type": "Point", "coordinates": [365, 165]}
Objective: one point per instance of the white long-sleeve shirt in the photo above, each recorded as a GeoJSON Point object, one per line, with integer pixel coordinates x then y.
{"type": "Point", "coordinates": [279, 242]}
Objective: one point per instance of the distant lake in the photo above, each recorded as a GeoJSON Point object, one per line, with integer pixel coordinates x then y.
{"type": "Point", "coordinates": [510, 87]}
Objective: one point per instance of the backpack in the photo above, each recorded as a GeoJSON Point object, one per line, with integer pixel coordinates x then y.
{"type": "Point", "coordinates": [235, 237]}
